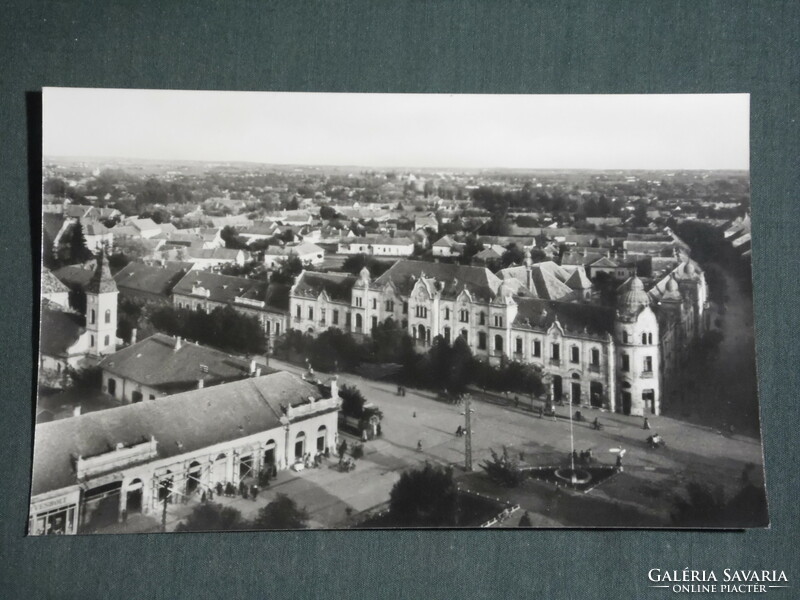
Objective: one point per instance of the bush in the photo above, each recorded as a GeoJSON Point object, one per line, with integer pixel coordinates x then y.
{"type": "Point", "coordinates": [504, 469]}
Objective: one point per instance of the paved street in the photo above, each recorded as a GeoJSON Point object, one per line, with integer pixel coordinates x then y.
{"type": "Point", "coordinates": [644, 488]}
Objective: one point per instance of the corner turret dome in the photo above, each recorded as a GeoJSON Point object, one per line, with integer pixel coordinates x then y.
{"type": "Point", "coordinates": [633, 298]}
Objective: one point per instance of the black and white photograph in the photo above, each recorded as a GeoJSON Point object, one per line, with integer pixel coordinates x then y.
{"type": "Point", "coordinates": [280, 310]}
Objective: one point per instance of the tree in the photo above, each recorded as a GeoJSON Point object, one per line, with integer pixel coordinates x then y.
{"type": "Point", "coordinates": [353, 401]}
{"type": "Point", "coordinates": [504, 468]}
{"type": "Point", "coordinates": [210, 516]}
{"type": "Point", "coordinates": [327, 213]}
{"type": "Point", "coordinates": [232, 238]}
{"type": "Point", "coordinates": [288, 269]}
{"type": "Point", "coordinates": [126, 250]}
{"type": "Point", "coordinates": [72, 247]}
{"type": "Point", "coordinates": [514, 255]}
{"type": "Point", "coordinates": [425, 497]}
{"type": "Point", "coordinates": [281, 513]}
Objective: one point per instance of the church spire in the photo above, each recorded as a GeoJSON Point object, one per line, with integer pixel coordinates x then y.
{"type": "Point", "coordinates": [101, 281]}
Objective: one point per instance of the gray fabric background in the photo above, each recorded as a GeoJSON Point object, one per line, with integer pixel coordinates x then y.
{"type": "Point", "coordinates": [411, 46]}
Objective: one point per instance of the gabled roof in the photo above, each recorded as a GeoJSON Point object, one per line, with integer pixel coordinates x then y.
{"type": "Point", "coordinates": [154, 279]}
{"type": "Point", "coordinates": [479, 281]}
{"type": "Point", "coordinates": [74, 276]}
{"type": "Point", "coordinates": [157, 363]}
{"type": "Point", "coordinates": [578, 280]}
{"type": "Point", "coordinates": [95, 228]}
{"type": "Point", "coordinates": [221, 288]}
{"type": "Point", "coordinates": [51, 284]}
{"type": "Point", "coordinates": [180, 423]}
{"type": "Point", "coordinates": [605, 262]}
{"type": "Point", "coordinates": [338, 286]}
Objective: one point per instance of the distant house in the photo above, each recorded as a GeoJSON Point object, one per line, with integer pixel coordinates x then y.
{"type": "Point", "coordinates": [305, 251]}
{"type": "Point", "coordinates": [162, 365]}
{"type": "Point", "coordinates": [98, 236]}
{"type": "Point", "coordinates": [150, 283]}
{"type": "Point", "coordinates": [427, 221]}
{"type": "Point", "coordinates": [263, 230]}
{"type": "Point", "coordinates": [207, 258]}
{"type": "Point", "coordinates": [447, 247]}
{"type": "Point", "coordinates": [135, 227]}
{"type": "Point", "coordinates": [376, 246]}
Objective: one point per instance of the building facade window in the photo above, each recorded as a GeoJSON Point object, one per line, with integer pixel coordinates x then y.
{"type": "Point", "coordinates": [447, 334]}
{"type": "Point", "coordinates": [310, 313]}
{"type": "Point", "coordinates": [575, 355]}
{"type": "Point", "coordinates": [107, 340]}
{"type": "Point", "coordinates": [374, 322]}
{"type": "Point", "coordinates": [108, 316]}
{"type": "Point", "coordinates": [649, 338]}
{"type": "Point", "coordinates": [464, 316]}
{"type": "Point", "coordinates": [644, 338]}
{"type": "Point", "coordinates": [555, 352]}
{"type": "Point", "coordinates": [498, 321]}
{"type": "Point", "coordinates": [537, 348]}
{"type": "Point", "coordinates": [648, 364]}
{"type": "Point", "coordinates": [359, 322]}
{"type": "Point", "coordinates": [390, 306]}
{"type": "Point", "coordinates": [624, 337]}
{"type": "Point", "coordinates": [498, 343]}
{"type": "Point", "coordinates": [93, 317]}
{"type": "Point", "coordinates": [518, 345]}
{"type": "Point", "coordinates": [626, 363]}
{"type": "Point", "coordinates": [374, 303]}
{"type": "Point", "coordinates": [358, 301]}
{"type": "Point", "coordinates": [405, 308]}
{"type": "Point", "coordinates": [297, 312]}
{"type": "Point", "coordinates": [482, 318]}
{"type": "Point", "coordinates": [481, 340]}
{"type": "Point", "coordinates": [335, 317]}
{"type": "Point", "coordinates": [595, 357]}
{"type": "Point", "coordinates": [446, 314]}
{"type": "Point", "coordinates": [322, 315]}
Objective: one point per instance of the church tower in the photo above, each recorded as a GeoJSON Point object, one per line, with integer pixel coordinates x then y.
{"type": "Point", "coordinates": [638, 356]}
{"type": "Point", "coordinates": [101, 309]}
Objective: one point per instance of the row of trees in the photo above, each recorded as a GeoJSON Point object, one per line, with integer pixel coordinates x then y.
{"type": "Point", "coordinates": [281, 513]}
{"type": "Point", "coordinates": [444, 366]}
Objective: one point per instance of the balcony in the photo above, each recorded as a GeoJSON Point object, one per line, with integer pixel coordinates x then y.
{"type": "Point", "coordinates": [594, 368]}
{"type": "Point", "coordinates": [646, 375]}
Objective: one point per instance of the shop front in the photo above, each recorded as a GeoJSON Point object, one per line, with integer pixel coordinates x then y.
{"type": "Point", "coordinates": [55, 516]}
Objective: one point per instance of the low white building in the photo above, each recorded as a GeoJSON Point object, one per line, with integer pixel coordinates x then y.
{"type": "Point", "coordinates": [96, 469]}
{"type": "Point", "coordinates": [377, 246]}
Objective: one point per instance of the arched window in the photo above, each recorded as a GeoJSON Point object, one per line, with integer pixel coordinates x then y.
{"type": "Point", "coordinates": [108, 316]}
{"type": "Point", "coordinates": [94, 318]}
{"type": "Point", "coordinates": [644, 338]}
{"type": "Point", "coordinates": [498, 343]}
{"type": "Point", "coordinates": [359, 322]}
{"type": "Point", "coordinates": [649, 338]}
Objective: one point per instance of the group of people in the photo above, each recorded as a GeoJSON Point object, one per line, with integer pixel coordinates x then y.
{"type": "Point", "coordinates": [401, 390]}
{"type": "Point", "coordinates": [231, 490]}
{"type": "Point", "coordinates": [584, 456]}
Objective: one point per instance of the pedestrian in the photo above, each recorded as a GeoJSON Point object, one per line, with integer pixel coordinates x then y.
{"type": "Point", "coordinates": [419, 446]}
{"type": "Point", "coordinates": [646, 424]}
{"type": "Point", "coordinates": [619, 462]}
{"type": "Point", "coordinates": [415, 414]}
{"type": "Point", "coordinates": [254, 492]}
{"type": "Point", "coordinates": [516, 401]}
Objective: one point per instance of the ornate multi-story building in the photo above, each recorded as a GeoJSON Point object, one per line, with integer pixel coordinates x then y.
{"type": "Point", "coordinates": [542, 314]}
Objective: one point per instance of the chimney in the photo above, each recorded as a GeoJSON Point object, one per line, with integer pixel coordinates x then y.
{"type": "Point", "coordinates": [133, 336]}
{"type": "Point", "coordinates": [76, 412]}
{"type": "Point", "coordinates": [178, 343]}
{"type": "Point", "coordinates": [200, 383]}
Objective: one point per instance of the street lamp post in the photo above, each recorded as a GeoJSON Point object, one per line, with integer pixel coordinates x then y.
{"type": "Point", "coordinates": [468, 437]}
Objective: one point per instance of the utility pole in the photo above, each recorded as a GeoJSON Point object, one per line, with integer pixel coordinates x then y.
{"type": "Point", "coordinates": [468, 438]}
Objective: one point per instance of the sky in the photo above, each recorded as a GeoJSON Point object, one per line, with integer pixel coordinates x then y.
{"type": "Point", "coordinates": [687, 131]}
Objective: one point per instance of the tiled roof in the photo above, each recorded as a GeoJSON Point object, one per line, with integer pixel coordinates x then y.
{"type": "Point", "coordinates": [156, 363]}
{"type": "Point", "coordinates": [478, 281]}
{"type": "Point", "coordinates": [152, 279]}
{"type": "Point", "coordinates": [74, 276]}
{"type": "Point", "coordinates": [579, 319]}
{"type": "Point", "coordinates": [180, 423]}
{"type": "Point", "coordinates": [226, 288]}
{"type": "Point", "coordinates": [338, 286]}
{"type": "Point", "coordinates": [51, 284]}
